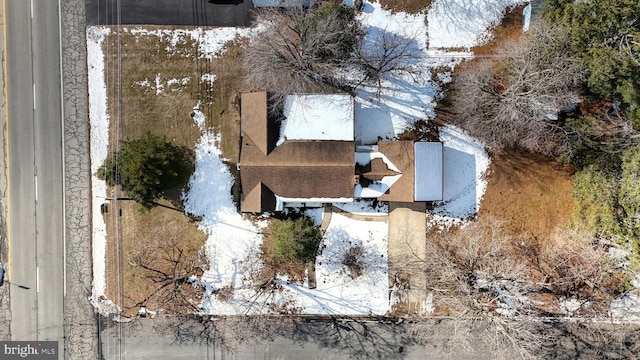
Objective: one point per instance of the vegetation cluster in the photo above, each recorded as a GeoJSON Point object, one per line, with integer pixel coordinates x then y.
{"type": "Point", "coordinates": [568, 88]}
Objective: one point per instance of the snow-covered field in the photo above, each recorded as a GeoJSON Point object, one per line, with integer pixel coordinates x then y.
{"type": "Point", "coordinates": [234, 242]}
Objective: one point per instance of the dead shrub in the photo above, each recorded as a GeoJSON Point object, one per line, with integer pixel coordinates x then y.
{"type": "Point", "coordinates": [353, 260]}
{"type": "Point", "coordinates": [574, 264]}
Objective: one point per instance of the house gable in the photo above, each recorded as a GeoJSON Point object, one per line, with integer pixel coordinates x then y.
{"type": "Point", "coordinates": [296, 168]}
{"type": "Point", "coordinates": [254, 121]}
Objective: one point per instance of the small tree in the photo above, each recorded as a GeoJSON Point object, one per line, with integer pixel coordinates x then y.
{"type": "Point", "coordinates": [145, 168]}
{"type": "Point", "coordinates": [353, 260]}
{"type": "Point", "coordinates": [391, 53]}
{"type": "Point", "coordinates": [295, 239]}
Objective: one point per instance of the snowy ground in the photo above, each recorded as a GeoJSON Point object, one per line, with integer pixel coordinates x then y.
{"type": "Point", "coordinates": [464, 23]}
{"type": "Point", "coordinates": [99, 137]}
{"type": "Point", "coordinates": [233, 242]}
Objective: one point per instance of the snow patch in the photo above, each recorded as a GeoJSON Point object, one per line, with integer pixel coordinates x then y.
{"type": "Point", "coordinates": [569, 306]}
{"type": "Point", "coordinates": [99, 140]}
{"type": "Point", "coordinates": [159, 85]}
{"type": "Point", "coordinates": [464, 23]}
{"type": "Point", "coordinates": [366, 207]}
{"type": "Point", "coordinates": [231, 239]}
{"type": "Point", "coordinates": [208, 78]}
{"type": "Point", "coordinates": [198, 117]}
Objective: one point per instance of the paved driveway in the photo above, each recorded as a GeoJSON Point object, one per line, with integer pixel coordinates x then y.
{"type": "Point", "coordinates": [407, 238]}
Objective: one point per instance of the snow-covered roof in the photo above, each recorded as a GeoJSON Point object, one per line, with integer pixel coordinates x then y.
{"type": "Point", "coordinates": [365, 157]}
{"type": "Point", "coordinates": [317, 117]}
{"type": "Point", "coordinates": [377, 188]}
{"type": "Point", "coordinates": [428, 171]}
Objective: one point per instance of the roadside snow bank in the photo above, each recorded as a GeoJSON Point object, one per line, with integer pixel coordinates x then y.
{"type": "Point", "coordinates": [99, 140]}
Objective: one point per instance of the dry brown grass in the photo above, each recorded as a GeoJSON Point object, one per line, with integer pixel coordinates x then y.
{"type": "Point", "coordinates": [408, 6]}
{"type": "Point", "coordinates": [126, 284]}
{"type": "Point", "coordinates": [531, 193]}
{"type": "Point", "coordinates": [507, 31]}
{"type": "Point", "coordinates": [141, 110]}
{"type": "Point", "coordinates": [135, 109]}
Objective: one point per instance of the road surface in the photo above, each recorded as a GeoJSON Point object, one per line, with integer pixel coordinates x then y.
{"type": "Point", "coordinates": [308, 340]}
{"type": "Point", "coordinates": [170, 12]}
{"type": "Point", "coordinates": [35, 170]}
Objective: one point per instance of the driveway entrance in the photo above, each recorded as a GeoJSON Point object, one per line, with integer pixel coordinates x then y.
{"type": "Point", "coordinates": [407, 239]}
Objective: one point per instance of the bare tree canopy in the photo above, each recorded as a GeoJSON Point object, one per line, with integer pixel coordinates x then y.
{"type": "Point", "coordinates": [512, 99]}
{"type": "Point", "coordinates": [171, 270]}
{"type": "Point", "coordinates": [298, 50]}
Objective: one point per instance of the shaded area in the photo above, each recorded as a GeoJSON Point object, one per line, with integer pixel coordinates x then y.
{"type": "Point", "coordinates": [344, 338]}
{"type": "Point", "coordinates": [170, 12]}
{"type": "Point", "coordinates": [530, 192]}
{"type": "Point", "coordinates": [459, 178]}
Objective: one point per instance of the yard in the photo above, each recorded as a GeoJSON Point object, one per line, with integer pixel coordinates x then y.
{"type": "Point", "coordinates": [192, 103]}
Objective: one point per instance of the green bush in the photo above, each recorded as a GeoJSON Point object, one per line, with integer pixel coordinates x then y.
{"type": "Point", "coordinates": [605, 34]}
{"type": "Point", "coordinates": [295, 239]}
{"type": "Point", "coordinates": [607, 197]}
{"type": "Point", "coordinates": [629, 193]}
{"type": "Point", "coordinates": [145, 168]}
{"type": "Point", "coordinates": [595, 194]}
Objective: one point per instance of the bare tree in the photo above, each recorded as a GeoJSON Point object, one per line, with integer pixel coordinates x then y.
{"type": "Point", "coordinates": [384, 52]}
{"type": "Point", "coordinates": [476, 270]}
{"type": "Point", "coordinates": [298, 50]}
{"type": "Point", "coordinates": [480, 281]}
{"type": "Point", "coordinates": [574, 264]}
{"type": "Point", "coordinates": [513, 98]}
{"type": "Point", "coordinates": [172, 271]}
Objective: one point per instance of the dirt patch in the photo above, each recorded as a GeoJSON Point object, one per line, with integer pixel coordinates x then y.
{"type": "Point", "coordinates": [531, 193]}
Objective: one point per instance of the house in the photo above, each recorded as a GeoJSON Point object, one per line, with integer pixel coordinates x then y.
{"type": "Point", "coordinates": [310, 157]}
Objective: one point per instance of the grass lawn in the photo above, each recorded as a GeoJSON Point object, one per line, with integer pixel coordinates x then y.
{"type": "Point", "coordinates": [153, 89]}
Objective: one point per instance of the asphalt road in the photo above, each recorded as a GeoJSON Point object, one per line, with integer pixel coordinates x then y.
{"type": "Point", "coordinates": [35, 170]}
{"type": "Point", "coordinates": [308, 340]}
{"type": "Point", "coordinates": [170, 12]}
